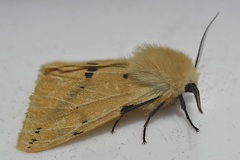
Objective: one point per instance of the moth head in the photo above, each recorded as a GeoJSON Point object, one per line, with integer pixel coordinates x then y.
{"type": "Point", "coordinates": [191, 86]}
{"type": "Point", "coordinates": [164, 69]}
{"type": "Point", "coordinates": [168, 72]}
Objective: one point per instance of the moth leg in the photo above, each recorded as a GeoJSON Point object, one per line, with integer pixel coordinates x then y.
{"type": "Point", "coordinates": [129, 108]}
{"type": "Point", "coordinates": [183, 105]}
{"type": "Point", "coordinates": [116, 122]}
{"type": "Point", "coordinates": [191, 87]}
{"type": "Point", "coordinates": [147, 121]}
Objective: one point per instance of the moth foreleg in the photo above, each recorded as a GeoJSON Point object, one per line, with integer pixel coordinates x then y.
{"type": "Point", "coordinates": [147, 121]}
{"type": "Point", "coordinates": [183, 105]}
{"type": "Point", "coordinates": [129, 108]}
{"type": "Point", "coordinates": [115, 124]}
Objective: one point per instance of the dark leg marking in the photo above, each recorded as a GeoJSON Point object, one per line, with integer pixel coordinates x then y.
{"type": "Point", "coordinates": [129, 108]}
{"type": "Point", "coordinates": [183, 105]}
{"type": "Point", "coordinates": [147, 121]}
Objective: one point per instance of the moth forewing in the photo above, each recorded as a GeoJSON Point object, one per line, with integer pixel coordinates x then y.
{"type": "Point", "coordinates": [67, 102]}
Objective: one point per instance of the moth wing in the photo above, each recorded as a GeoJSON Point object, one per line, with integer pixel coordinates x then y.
{"type": "Point", "coordinates": [73, 98]}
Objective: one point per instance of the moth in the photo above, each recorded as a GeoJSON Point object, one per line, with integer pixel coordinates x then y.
{"type": "Point", "coordinates": [71, 99]}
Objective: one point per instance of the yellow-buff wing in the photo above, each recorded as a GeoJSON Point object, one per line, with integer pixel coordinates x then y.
{"type": "Point", "coordinates": [73, 98]}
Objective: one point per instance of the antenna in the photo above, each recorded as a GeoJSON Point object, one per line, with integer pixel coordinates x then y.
{"type": "Point", "coordinates": [203, 40]}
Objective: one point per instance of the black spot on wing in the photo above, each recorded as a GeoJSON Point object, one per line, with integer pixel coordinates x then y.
{"type": "Point", "coordinates": [88, 75]}
{"type": "Point", "coordinates": [77, 133]}
{"type": "Point", "coordinates": [33, 140]}
{"type": "Point", "coordinates": [84, 121]}
{"type": "Point", "coordinates": [91, 69]}
{"type": "Point", "coordinates": [38, 130]}
{"type": "Point", "coordinates": [125, 76]}
{"type": "Point", "coordinates": [73, 95]}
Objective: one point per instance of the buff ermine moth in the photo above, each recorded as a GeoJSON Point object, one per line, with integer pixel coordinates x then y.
{"type": "Point", "coordinates": [71, 99]}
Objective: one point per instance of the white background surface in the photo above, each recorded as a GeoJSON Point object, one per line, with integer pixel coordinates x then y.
{"type": "Point", "coordinates": [36, 32]}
